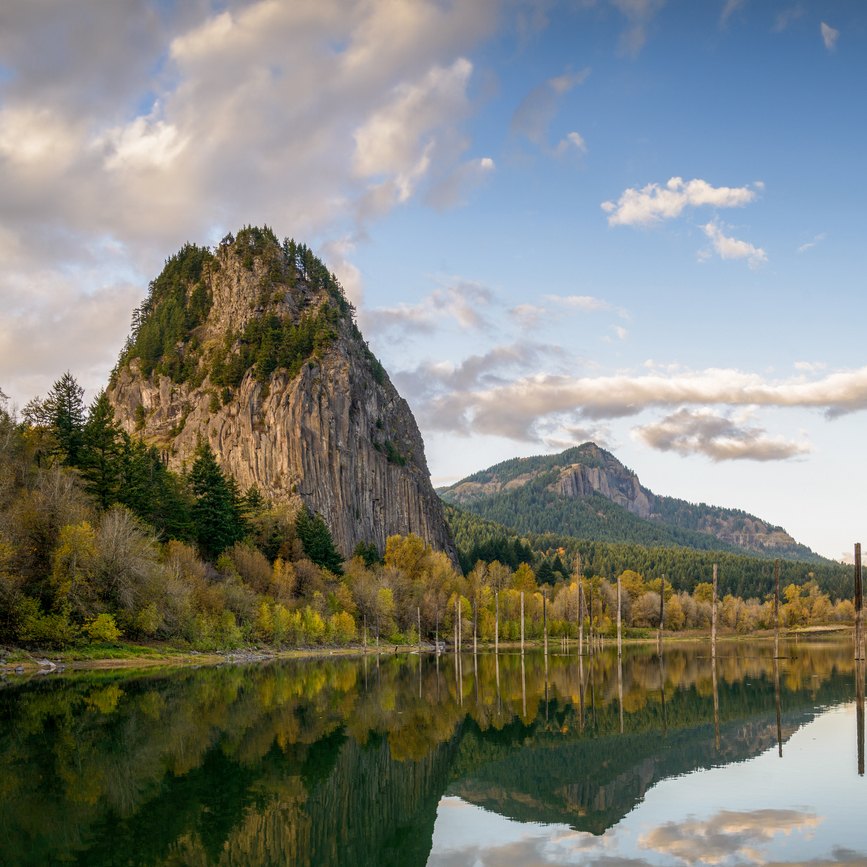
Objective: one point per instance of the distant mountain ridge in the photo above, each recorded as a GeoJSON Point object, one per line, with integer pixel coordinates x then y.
{"type": "Point", "coordinates": [587, 493]}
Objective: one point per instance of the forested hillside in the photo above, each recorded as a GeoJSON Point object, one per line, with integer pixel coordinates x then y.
{"type": "Point", "coordinates": [586, 493]}
{"type": "Point", "coordinates": [554, 557]}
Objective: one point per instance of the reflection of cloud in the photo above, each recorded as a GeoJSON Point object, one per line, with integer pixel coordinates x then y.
{"type": "Point", "coordinates": [726, 834]}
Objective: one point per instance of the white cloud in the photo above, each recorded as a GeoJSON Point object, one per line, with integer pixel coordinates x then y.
{"type": "Point", "coordinates": [719, 437]}
{"type": "Point", "coordinates": [654, 203]}
{"type": "Point", "coordinates": [137, 130]}
{"type": "Point", "coordinates": [732, 248]}
{"type": "Point", "coordinates": [585, 303]}
{"type": "Point", "coordinates": [573, 141]}
{"type": "Point", "coordinates": [808, 245]}
{"type": "Point", "coordinates": [810, 366]}
{"type": "Point", "coordinates": [787, 17]}
{"type": "Point", "coordinates": [142, 144]}
{"type": "Point", "coordinates": [639, 14]}
{"type": "Point", "coordinates": [520, 407]}
{"type": "Point", "coordinates": [536, 111]}
{"type": "Point", "coordinates": [731, 6]}
{"type": "Point", "coordinates": [395, 144]}
{"type": "Point", "coordinates": [528, 315]}
{"type": "Point", "coordinates": [829, 36]}
{"type": "Point", "coordinates": [463, 302]}
{"type": "Point", "coordinates": [454, 189]}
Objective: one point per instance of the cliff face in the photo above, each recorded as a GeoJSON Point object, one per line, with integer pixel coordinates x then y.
{"type": "Point", "coordinates": [605, 475]}
{"type": "Point", "coordinates": [326, 426]}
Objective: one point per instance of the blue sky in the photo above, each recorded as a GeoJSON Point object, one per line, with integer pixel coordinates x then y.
{"type": "Point", "coordinates": [633, 221]}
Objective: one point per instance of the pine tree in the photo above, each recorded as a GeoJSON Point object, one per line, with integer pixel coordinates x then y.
{"type": "Point", "coordinates": [315, 538]}
{"type": "Point", "coordinates": [101, 452]}
{"type": "Point", "coordinates": [216, 517]}
{"type": "Point", "coordinates": [63, 412]}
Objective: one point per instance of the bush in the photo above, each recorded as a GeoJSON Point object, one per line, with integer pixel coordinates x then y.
{"type": "Point", "coordinates": [46, 630]}
{"type": "Point", "coordinates": [103, 628]}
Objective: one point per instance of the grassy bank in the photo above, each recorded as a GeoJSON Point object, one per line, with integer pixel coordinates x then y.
{"type": "Point", "coordinates": [17, 661]}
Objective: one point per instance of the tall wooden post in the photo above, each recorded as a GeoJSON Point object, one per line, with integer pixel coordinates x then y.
{"type": "Point", "coordinates": [620, 688]}
{"type": "Point", "coordinates": [661, 614]}
{"type": "Point", "coordinates": [619, 635]}
{"type": "Point", "coordinates": [776, 609]}
{"type": "Point", "coordinates": [497, 621]}
{"type": "Point", "coordinates": [859, 714]}
{"type": "Point", "coordinates": [522, 623]}
{"type": "Point", "coordinates": [713, 618]}
{"type": "Point", "coordinates": [590, 622]}
{"type": "Point", "coordinates": [418, 616]}
{"type": "Point", "coordinates": [580, 618]}
{"type": "Point", "coordinates": [716, 738]}
{"type": "Point", "coordinates": [437, 631]}
{"type": "Point", "coordinates": [457, 623]}
{"type": "Point", "coordinates": [859, 605]}
{"type": "Point", "coordinates": [364, 632]}
{"type": "Point", "coordinates": [545, 619]}
{"type": "Point", "coordinates": [475, 625]}
{"type": "Point", "coordinates": [778, 707]}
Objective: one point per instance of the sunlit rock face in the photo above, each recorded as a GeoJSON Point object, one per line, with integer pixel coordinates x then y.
{"type": "Point", "coordinates": [328, 428]}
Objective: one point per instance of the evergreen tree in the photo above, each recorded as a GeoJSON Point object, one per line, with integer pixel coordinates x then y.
{"type": "Point", "coordinates": [315, 538]}
{"type": "Point", "coordinates": [152, 492]}
{"type": "Point", "coordinates": [101, 452]}
{"type": "Point", "coordinates": [63, 414]}
{"type": "Point", "coordinates": [216, 517]}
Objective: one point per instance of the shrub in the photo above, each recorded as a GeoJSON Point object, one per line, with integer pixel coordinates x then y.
{"type": "Point", "coordinates": [103, 628]}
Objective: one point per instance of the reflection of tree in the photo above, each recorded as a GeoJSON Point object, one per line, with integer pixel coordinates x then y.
{"type": "Point", "coordinates": [221, 764]}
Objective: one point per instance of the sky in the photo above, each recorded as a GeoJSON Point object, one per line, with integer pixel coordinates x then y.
{"type": "Point", "coordinates": [637, 222]}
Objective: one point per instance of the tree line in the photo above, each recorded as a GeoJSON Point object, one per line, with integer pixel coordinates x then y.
{"type": "Point", "coordinates": [100, 541]}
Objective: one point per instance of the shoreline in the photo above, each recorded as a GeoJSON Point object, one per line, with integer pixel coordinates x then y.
{"type": "Point", "coordinates": [22, 663]}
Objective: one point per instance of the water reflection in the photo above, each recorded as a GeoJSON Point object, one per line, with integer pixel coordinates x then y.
{"type": "Point", "coordinates": [343, 761]}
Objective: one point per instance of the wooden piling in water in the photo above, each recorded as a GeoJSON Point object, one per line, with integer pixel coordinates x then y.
{"type": "Point", "coordinates": [620, 688]}
{"type": "Point", "coordinates": [661, 614]}
{"type": "Point", "coordinates": [859, 713]}
{"type": "Point", "coordinates": [859, 605]}
{"type": "Point", "coordinates": [497, 623]}
{"type": "Point", "coordinates": [619, 635]}
{"type": "Point", "coordinates": [580, 618]}
{"type": "Point", "coordinates": [716, 736]}
{"type": "Point", "coordinates": [776, 609]}
{"type": "Point", "coordinates": [457, 622]}
{"type": "Point", "coordinates": [475, 625]}
{"type": "Point", "coordinates": [418, 616]}
{"type": "Point", "coordinates": [545, 620]}
{"type": "Point", "coordinates": [522, 623]}
{"type": "Point", "coordinates": [713, 618]}
{"type": "Point", "coordinates": [778, 707]}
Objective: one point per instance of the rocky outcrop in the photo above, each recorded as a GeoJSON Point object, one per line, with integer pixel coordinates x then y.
{"type": "Point", "coordinates": [605, 475]}
{"type": "Point", "coordinates": [336, 434]}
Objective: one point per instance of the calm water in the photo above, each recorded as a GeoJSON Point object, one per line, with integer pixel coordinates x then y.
{"type": "Point", "coordinates": [413, 761]}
